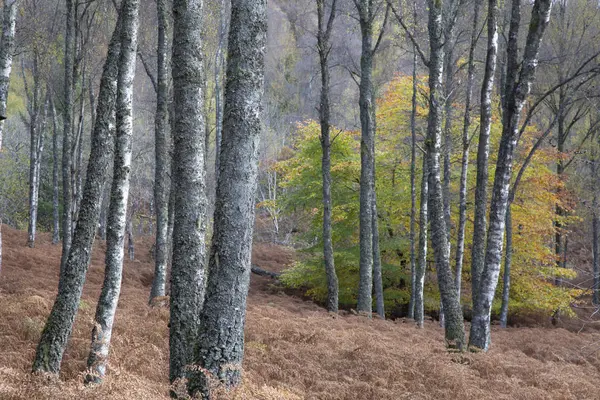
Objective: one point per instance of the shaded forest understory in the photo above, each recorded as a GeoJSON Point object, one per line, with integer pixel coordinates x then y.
{"type": "Point", "coordinates": [294, 349]}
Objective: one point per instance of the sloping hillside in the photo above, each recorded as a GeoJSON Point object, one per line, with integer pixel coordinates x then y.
{"type": "Point", "coordinates": [294, 349]}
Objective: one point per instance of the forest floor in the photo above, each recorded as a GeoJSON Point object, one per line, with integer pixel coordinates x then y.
{"type": "Point", "coordinates": [294, 349]}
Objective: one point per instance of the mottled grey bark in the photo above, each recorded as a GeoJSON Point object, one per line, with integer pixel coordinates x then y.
{"type": "Point", "coordinates": [7, 48]}
{"type": "Point", "coordinates": [119, 194]}
{"type": "Point", "coordinates": [162, 162]}
{"type": "Point", "coordinates": [367, 13]}
{"type": "Point", "coordinates": [596, 250]}
{"type": "Point", "coordinates": [507, 267]}
{"type": "Point", "coordinates": [36, 144]}
{"type": "Point", "coordinates": [413, 175]}
{"type": "Point", "coordinates": [130, 240]}
{"type": "Point", "coordinates": [377, 273]}
{"type": "Point", "coordinates": [77, 176]}
{"type": "Point", "coordinates": [483, 151]}
{"type": "Point", "coordinates": [59, 325]}
{"type": "Point", "coordinates": [325, 27]}
{"type": "Point", "coordinates": [515, 100]}
{"type": "Point", "coordinates": [188, 186]}
{"type": "Point", "coordinates": [454, 328]}
{"type": "Point", "coordinates": [55, 178]}
{"type": "Point", "coordinates": [220, 346]}
{"type": "Point", "coordinates": [219, 70]}
{"type": "Point", "coordinates": [67, 159]}
{"type": "Point", "coordinates": [422, 254]}
{"type": "Point", "coordinates": [466, 145]}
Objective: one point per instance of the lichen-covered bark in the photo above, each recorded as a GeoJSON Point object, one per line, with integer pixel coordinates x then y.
{"type": "Point", "coordinates": [59, 325]}
{"type": "Point", "coordinates": [596, 249]}
{"type": "Point", "coordinates": [119, 195]}
{"type": "Point", "coordinates": [454, 328]}
{"type": "Point", "coordinates": [162, 165]}
{"type": "Point", "coordinates": [220, 345]}
{"type": "Point", "coordinates": [367, 161]}
{"type": "Point", "coordinates": [7, 48]}
{"type": "Point", "coordinates": [67, 159]}
{"type": "Point", "coordinates": [324, 46]}
{"type": "Point", "coordinates": [55, 178]}
{"type": "Point", "coordinates": [219, 70]}
{"type": "Point", "coordinates": [507, 268]}
{"type": "Point", "coordinates": [422, 252]}
{"type": "Point", "coordinates": [36, 146]}
{"type": "Point", "coordinates": [466, 144]}
{"type": "Point", "coordinates": [515, 101]}
{"type": "Point", "coordinates": [377, 273]}
{"type": "Point", "coordinates": [483, 150]}
{"type": "Point", "coordinates": [188, 186]}
{"type": "Point", "coordinates": [413, 186]}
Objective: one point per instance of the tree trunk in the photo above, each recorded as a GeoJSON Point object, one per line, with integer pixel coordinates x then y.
{"type": "Point", "coordinates": [55, 178]}
{"type": "Point", "coordinates": [483, 151]}
{"type": "Point", "coordinates": [377, 273]}
{"type": "Point", "coordinates": [515, 100]}
{"type": "Point", "coordinates": [117, 212]}
{"type": "Point", "coordinates": [188, 187]}
{"type": "Point", "coordinates": [220, 346]}
{"type": "Point", "coordinates": [162, 162]}
{"type": "Point", "coordinates": [466, 145]}
{"type": "Point", "coordinates": [324, 48]}
{"type": "Point", "coordinates": [130, 240]}
{"type": "Point", "coordinates": [596, 250]}
{"type": "Point", "coordinates": [454, 328]}
{"type": "Point", "coordinates": [219, 70]}
{"type": "Point", "coordinates": [36, 147]}
{"type": "Point", "coordinates": [367, 159]}
{"type": "Point", "coordinates": [7, 48]}
{"type": "Point", "coordinates": [67, 160]}
{"type": "Point", "coordinates": [58, 328]}
{"type": "Point", "coordinates": [413, 174]}
{"type": "Point", "coordinates": [507, 267]}
{"type": "Point", "coordinates": [422, 256]}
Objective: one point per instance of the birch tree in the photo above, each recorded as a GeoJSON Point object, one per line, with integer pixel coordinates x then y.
{"type": "Point", "coordinates": [117, 211]}
{"type": "Point", "coordinates": [220, 343]}
{"type": "Point", "coordinates": [367, 12]}
{"type": "Point", "coordinates": [466, 145]}
{"type": "Point", "coordinates": [7, 48]}
{"type": "Point", "coordinates": [453, 325]}
{"type": "Point", "coordinates": [483, 150]}
{"type": "Point", "coordinates": [514, 102]}
{"type": "Point", "coordinates": [188, 187]}
{"type": "Point", "coordinates": [162, 164]}
{"type": "Point", "coordinates": [59, 325]}
{"type": "Point", "coordinates": [325, 26]}
{"type": "Point", "coordinates": [67, 159]}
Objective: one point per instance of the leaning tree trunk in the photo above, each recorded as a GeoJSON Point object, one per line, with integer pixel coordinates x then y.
{"type": "Point", "coordinates": [7, 48]}
{"type": "Point", "coordinates": [162, 165]}
{"type": "Point", "coordinates": [483, 150]}
{"type": "Point", "coordinates": [220, 346]}
{"type": "Point", "coordinates": [58, 328]}
{"type": "Point", "coordinates": [421, 265]}
{"type": "Point", "coordinates": [119, 195]}
{"type": "Point", "coordinates": [188, 187]}
{"type": "Point", "coordinates": [55, 181]}
{"type": "Point", "coordinates": [454, 328]}
{"type": "Point", "coordinates": [466, 145]}
{"type": "Point", "coordinates": [515, 101]}
{"type": "Point", "coordinates": [67, 159]}
{"type": "Point", "coordinates": [324, 48]}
